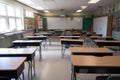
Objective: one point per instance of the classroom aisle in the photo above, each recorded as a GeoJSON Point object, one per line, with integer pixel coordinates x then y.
{"type": "Point", "coordinates": [53, 67]}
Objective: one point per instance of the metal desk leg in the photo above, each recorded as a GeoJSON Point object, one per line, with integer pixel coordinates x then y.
{"type": "Point", "coordinates": [40, 55]}
{"type": "Point", "coordinates": [33, 64]}
{"type": "Point", "coordinates": [29, 70]}
{"type": "Point", "coordinates": [23, 76]}
{"type": "Point", "coordinates": [73, 74]}
{"type": "Point", "coordinates": [62, 53]}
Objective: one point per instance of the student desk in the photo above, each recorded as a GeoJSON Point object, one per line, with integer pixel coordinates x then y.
{"type": "Point", "coordinates": [44, 38]}
{"type": "Point", "coordinates": [93, 64]}
{"type": "Point", "coordinates": [94, 37]}
{"type": "Point", "coordinates": [36, 37]}
{"type": "Point", "coordinates": [12, 67]}
{"type": "Point", "coordinates": [69, 42]}
{"type": "Point", "coordinates": [105, 38]}
{"type": "Point", "coordinates": [72, 37]}
{"type": "Point", "coordinates": [44, 33]}
{"type": "Point", "coordinates": [23, 43]}
{"type": "Point", "coordinates": [29, 53]}
{"type": "Point", "coordinates": [90, 34]}
{"type": "Point", "coordinates": [102, 43]}
{"type": "Point", "coordinates": [91, 51]}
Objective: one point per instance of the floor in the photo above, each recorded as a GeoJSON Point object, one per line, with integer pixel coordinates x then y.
{"type": "Point", "coordinates": [53, 67]}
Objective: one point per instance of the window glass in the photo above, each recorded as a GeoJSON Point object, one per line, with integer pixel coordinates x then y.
{"type": "Point", "coordinates": [12, 26]}
{"type": "Point", "coordinates": [18, 12]}
{"type": "Point", "coordinates": [11, 18]}
{"type": "Point", "coordinates": [2, 10]}
{"type": "Point", "coordinates": [29, 14]}
{"type": "Point", "coordinates": [10, 11]}
{"type": "Point", "coordinates": [3, 24]}
{"type": "Point", "coordinates": [19, 24]}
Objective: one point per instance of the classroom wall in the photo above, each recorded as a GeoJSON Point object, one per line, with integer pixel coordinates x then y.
{"type": "Point", "coordinates": [100, 25]}
{"type": "Point", "coordinates": [64, 23]}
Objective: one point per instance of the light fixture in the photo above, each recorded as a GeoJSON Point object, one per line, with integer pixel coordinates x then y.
{"type": "Point", "coordinates": [83, 7]}
{"type": "Point", "coordinates": [79, 11]}
{"type": "Point", "coordinates": [37, 7]}
{"type": "Point", "coordinates": [46, 11]}
{"type": "Point", "coordinates": [29, 2]}
{"type": "Point", "coordinates": [93, 1]}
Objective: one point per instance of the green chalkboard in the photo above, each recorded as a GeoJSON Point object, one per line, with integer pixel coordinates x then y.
{"type": "Point", "coordinates": [44, 23]}
{"type": "Point", "coordinates": [87, 24]}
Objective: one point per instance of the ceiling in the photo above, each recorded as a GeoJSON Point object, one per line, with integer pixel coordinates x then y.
{"type": "Point", "coordinates": [69, 6]}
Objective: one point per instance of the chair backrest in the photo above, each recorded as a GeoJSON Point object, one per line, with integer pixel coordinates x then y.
{"type": "Point", "coordinates": [114, 78]}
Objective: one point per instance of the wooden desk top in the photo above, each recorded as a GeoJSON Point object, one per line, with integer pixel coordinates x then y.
{"type": "Point", "coordinates": [76, 40]}
{"type": "Point", "coordinates": [27, 41]}
{"type": "Point", "coordinates": [92, 61]}
{"type": "Point", "coordinates": [89, 50]}
{"type": "Point", "coordinates": [35, 36]}
{"type": "Point", "coordinates": [44, 33]}
{"type": "Point", "coordinates": [69, 36]}
{"type": "Point", "coordinates": [108, 41]}
{"type": "Point", "coordinates": [12, 51]}
{"type": "Point", "coordinates": [10, 63]}
{"type": "Point", "coordinates": [94, 36]}
{"type": "Point", "coordinates": [105, 37]}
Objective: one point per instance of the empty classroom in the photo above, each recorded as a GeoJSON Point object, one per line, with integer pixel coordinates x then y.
{"type": "Point", "coordinates": [59, 39]}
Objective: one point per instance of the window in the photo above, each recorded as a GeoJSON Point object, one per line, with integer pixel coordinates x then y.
{"type": "Point", "coordinates": [3, 24]}
{"type": "Point", "coordinates": [10, 11]}
{"type": "Point", "coordinates": [29, 14]}
{"type": "Point", "coordinates": [12, 25]}
{"type": "Point", "coordinates": [18, 12]}
{"type": "Point", "coordinates": [10, 18]}
{"type": "Point", "coordinates": [19, 24]}
{"type": "Point", "coordinates": [2, 10]}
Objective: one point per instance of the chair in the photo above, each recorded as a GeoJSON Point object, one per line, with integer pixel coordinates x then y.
{"type": "Point", "coordinates": [114, 78]}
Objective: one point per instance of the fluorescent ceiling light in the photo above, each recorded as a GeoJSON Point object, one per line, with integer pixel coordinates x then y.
{"type": "Point", "coordinates": [46, 11]}
{"type": "Point", "coordinates": [93, 1]}
{"type": "Point", "coordinates": [78, 10]}
{"type": "Point", "coordinates": [29, 2]}
{"type": "Point", "coordinates": [37, 7]}
{"type": "Point", "coordinates": [83, 7]}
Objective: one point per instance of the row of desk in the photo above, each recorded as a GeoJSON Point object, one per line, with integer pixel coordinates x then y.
{"type": "Point", "coordinates": [93, 60]}
{"type": "Point", "coordinates": [12, 59]}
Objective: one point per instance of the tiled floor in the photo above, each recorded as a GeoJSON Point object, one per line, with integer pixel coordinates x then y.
{"type": "Point", "coordinates": [53, 67]}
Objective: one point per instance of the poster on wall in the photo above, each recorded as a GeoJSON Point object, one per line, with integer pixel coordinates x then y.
{"type": "Point", "coordinates": [116, 20]}
{"type": "Point", "coordinates": [119, 23]}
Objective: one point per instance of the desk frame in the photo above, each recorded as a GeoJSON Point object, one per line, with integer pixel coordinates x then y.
{"type": "Point", "coordinates": [14, 52]}
{"type": "Point", "coordinates": [24, 43]}
{"type": "Point", "coordinates": [101, 65]}
{"type": "Point", "coordinates": [69, 41]}
{"type": "Point", "coordinates": [13, 72]}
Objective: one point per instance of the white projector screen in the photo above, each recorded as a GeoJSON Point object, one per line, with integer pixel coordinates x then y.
{"type": "Point", "coordinates": [64, 22]}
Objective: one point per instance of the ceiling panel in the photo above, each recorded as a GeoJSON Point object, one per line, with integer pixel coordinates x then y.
{"type": "Point", "coordinates": [65, 6]}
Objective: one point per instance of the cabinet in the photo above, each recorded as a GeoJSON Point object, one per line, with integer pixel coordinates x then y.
{"type": "Point", "coordinates": [38, 23]}
{"type": "Point", "coordinates": [29, 23]}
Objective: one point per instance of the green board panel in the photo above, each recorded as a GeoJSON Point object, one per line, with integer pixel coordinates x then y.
{"type": "Point", "coordinates": [44, 23]}
{"type": "Point", "coordinates": [87, 24]}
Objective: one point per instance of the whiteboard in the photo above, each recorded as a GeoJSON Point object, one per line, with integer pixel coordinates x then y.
{"type": "Point", "coordinates": [100, 25]}
{"type": "Point", "coordinates": [64, 22]}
